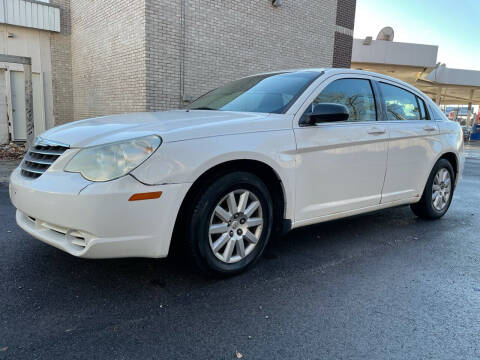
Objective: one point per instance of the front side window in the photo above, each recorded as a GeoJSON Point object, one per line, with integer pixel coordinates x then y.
{"type": "Point", "coordinates": [268, 93]}
{"type": "Point", "coordinates": [401, 104]}
{"type": "Point", "coordinates": [355, 94]}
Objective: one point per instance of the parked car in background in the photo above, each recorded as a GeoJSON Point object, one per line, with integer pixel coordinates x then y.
{"type": "Point", "coordinates": [247, 161]}
{"type": "Point", "coordinates": [466, 132]}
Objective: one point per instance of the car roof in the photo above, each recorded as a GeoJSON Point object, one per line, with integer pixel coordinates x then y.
{"type": "Point", "coordinates": [370, 73]}
{"type": "Point", "coordinates": [333, 71]}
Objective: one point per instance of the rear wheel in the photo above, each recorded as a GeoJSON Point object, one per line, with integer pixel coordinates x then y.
{"type": "Point", "coordinates": [438, 192]}
{"type": "Point", "coordinates": [231, 222]}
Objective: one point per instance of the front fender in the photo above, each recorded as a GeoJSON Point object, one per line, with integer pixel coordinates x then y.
{"type": "Point", "coordinates": [185, 161]}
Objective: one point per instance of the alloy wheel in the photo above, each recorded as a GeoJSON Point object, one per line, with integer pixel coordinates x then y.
{"type": "Point", "coordinates": [441, 189]}
{"type": "Point", "coordinates": [236, 226]}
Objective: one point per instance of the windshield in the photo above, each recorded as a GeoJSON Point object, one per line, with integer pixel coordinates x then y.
{"type": "Point", "coordinates": [268, 93]}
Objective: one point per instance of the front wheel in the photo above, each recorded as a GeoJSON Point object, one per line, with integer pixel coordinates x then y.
{"type": "Point", "coordinates": [231, 222]}
{"type": "Point", "coordinates": [438, 192]}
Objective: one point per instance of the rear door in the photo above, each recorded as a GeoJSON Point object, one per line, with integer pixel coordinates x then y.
{"type": "Point", "coordinates": [341, 165]}
{"type": "Point", "coordinates": [412, 143]}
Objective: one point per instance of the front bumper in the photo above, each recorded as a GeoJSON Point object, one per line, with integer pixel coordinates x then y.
{"type": "Point", "coordinates": [96, 220]}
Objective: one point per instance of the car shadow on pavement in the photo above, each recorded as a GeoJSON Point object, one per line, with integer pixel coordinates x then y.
{"type": "Point", "coordinates": [41, 267]}
{"type": "Point", "coordinates": [320, 245]}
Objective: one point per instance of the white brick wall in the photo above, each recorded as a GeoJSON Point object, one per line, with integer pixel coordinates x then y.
{"type": "Point", "coordinates": [128, 55]}
{"type": "Point", "coordinates": [108, 57]}
{"type": "Point", "coordinates": [227, 39]}
{"type": "Point", "coordinates": [60, 48]}
{"type": "Point", "coordinates": [164, 53]}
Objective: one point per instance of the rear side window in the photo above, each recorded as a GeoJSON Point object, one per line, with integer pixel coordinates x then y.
{"type": "Point", "coordinates": [402, 104]}
{"type": "Point", "coordinates": [423, 109]}
{"type": "Point", "coordinates": [355, 94]}
{"type": "Point", "coordinates": [438, 114]}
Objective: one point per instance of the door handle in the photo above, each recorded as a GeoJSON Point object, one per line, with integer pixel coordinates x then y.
{"type": "Point", "coordinates": [376, 131]}
{"type": "Point", "coordinates": [429, 128]}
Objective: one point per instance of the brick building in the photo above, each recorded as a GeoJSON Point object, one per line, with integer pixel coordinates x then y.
{"type": "Point", "coordinates": [115, 56]}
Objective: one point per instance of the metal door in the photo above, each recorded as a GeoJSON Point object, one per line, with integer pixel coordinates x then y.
{"type": "Point", "coordinates": [17, 85]}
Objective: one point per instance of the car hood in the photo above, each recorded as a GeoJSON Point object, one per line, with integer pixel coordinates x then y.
{"type": "Point", "coordinates": [175, 125]}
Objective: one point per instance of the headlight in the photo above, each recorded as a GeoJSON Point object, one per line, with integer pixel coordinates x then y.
{"type": "Point", "coordinates": [111, 161]}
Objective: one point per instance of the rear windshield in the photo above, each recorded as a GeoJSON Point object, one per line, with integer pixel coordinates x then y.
{"type": "Point", "coordinates": [268, 93]}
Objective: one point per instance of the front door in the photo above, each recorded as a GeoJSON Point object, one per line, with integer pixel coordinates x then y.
{"type": "Point", "coordinates": [340, 165]}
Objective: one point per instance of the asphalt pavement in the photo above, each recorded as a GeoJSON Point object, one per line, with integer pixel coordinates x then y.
{"type": "Point", "coordinates": [380, 286]}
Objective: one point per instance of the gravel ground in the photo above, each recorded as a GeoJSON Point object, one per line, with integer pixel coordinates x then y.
{"type": "Point", "coordinates": [12, 151]}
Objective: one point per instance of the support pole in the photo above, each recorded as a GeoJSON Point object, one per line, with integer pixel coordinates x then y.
{"type": "Point", "coordinates": [438, 97]}
{"type": "Point", "coordinates": [469, 111]}
{"type": "Point", "coordinates": [27, 68]}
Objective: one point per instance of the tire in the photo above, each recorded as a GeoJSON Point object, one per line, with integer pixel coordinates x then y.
{"type": "Point", "coordinates": [429, 207]}
{"type": "Point", "coordinates": [214, 238]}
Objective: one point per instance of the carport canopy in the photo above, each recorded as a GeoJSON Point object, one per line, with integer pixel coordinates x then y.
{"type": "Point", "coordinates": [452, 86]}
{"type": "Point", "coordinates": [417, 65]}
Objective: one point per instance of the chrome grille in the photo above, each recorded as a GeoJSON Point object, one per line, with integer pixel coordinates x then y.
{"type": "Point", "coordinates": [40, 156]}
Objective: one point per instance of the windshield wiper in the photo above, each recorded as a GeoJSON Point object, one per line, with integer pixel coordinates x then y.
{"type": "Point", "coordinates": [203, 108]}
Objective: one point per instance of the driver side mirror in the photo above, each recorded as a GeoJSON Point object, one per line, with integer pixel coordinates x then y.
{"type": "Point", "coordinates": [326, 112]}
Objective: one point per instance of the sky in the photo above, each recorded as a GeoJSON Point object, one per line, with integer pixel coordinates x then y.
{"type": "Point", "coordinates": [453, 25]}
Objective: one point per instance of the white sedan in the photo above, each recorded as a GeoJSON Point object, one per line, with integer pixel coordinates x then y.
{"type": "Point", "coordinates": [244, 163]}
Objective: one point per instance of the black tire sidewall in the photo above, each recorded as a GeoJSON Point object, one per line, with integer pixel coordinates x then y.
{"type": "Point", "coordinates": [427, 195]}
{"type": "Point", "coordinates": [198, 230]}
